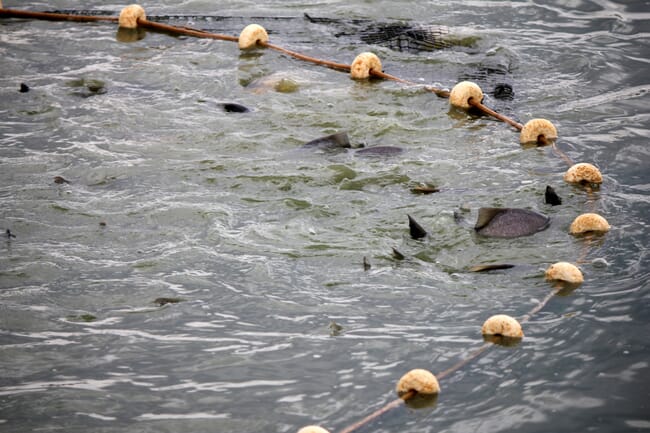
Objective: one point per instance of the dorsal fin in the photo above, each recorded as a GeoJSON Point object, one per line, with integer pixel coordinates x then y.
{"type": "Point", "coordinates": [415, 229]}
{"type": "Point", "coordinates": [485, 215]}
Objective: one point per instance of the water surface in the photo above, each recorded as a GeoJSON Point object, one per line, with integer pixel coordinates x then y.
{"type": "Point", "coordinates": [263, 243]}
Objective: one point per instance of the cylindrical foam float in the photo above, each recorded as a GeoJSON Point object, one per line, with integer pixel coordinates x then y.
{"type": "Point", "coordinates": [418, 380]}
{"type": "Point", "coordinates": [583, 173]}
{"type": "Point", "coordinates": [464, 91]}
{"type": "Point", "coordinates": [312, 429]}
{"type": "Point", "coordinates": [419, 389]}
{"type": "Point", "coordinates": [363, 64]}
{"type": "Point", "coordinates": [589, 222]}
{"type": "Point", "coordinates": [129, 16]}
{"type": "Point", "coordinates": [539, 131]}
{"type": "Point", "coordinates": [563, 271]}
{"type": "Point", "coordinates": [502, 325]}
{"type": "Point", "coordinates": [251, 35]}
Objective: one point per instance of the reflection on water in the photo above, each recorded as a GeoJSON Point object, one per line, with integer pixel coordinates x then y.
{"type": "Point", "coordinates": [263, 244]}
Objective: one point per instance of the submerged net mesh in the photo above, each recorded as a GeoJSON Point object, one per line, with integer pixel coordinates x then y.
{"type": "Point", "coordinates": [402, 37]}
{"type": "Point", "coordinates": [325, 36]}
{"type": "Point", "coordinates": [424, 52]}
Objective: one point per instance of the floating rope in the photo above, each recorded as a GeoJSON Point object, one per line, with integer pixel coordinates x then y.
{"type": "Point", "coordinates": [498, 329]}
{"type": "Point", "coordinates": [52, 16]}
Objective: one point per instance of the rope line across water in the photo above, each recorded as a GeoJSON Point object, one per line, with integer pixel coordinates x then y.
{"type": "Point", "coordinates": [464, 95]}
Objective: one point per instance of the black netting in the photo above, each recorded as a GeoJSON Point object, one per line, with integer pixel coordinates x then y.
{"type": "Point", "coordinates": [325, 36]}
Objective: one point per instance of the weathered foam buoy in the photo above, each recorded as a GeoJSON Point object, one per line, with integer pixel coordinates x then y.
{"type": "Point", "coordinates": [312, 429]}
{"type": "Point", "coordinates": [583, 172]}
{"type": "Point", "coordinates": [129, 16]}
{"type": "Point", "coordinates": [538, 131]}
{"type": "Point", "coordinates": [462, 92]}
{"type": "Point", "coordinates": [502, 325]}
{"type": "Point", "coordinates": [589, 222]}
{"type": "Point", "coordinates": [509, 222]}
{"type": "Point", "coordinates": [418, 380]}
{"type": "Point", "coordinates": [564, 271]}
{"type": "Point", "coordinates": [363, 64]}
{"type": "Point", "coordinates": [251, 35]}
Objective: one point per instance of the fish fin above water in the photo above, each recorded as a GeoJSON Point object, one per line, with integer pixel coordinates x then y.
{"type": "Point", "coordinates": [397, 254]}
{"type": "Point", "coordinates": [493, 267]}
{"type": "Point", "coordinates": [551, 197]}
{"type": "Point", "coordinates": [485, 215]}
{"type": "Point", "coordinates": [232, 107]}
{"type": "Point", "coordinates": [415, 229]}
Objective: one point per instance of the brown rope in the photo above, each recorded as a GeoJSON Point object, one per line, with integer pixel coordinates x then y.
{"type": "Point", "coordinates": [443, 374]}
{"type": "Point", "coordinates": [562, 155]}
{"type": "Point", "coordinates": [589, 238]}
{"type": "Point", "coordinates": [382, 74]}
{"type": "Point", "coordinates": [379, 412]}
{"type": "Point", "coordinates": [439, 92]}
{"type": "Point", "coordinates": [186, 31]}
{"type": "Point", "coordinates": [542, 140]}
{"type": "Point", "coordinates": [51, 16]}
{"type": "Point", "coordinates": [460, 364]}
{"type": "Point", "coordinates": [539, 306]}
{"type": "Point", "coordinates": [477, 104]}
{"type": "Point", "coordinates": [333, 65]}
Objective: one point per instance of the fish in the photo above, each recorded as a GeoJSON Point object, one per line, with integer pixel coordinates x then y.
{"type": "Point", "coordinates": [424, 189]}
{"type": "Point", "coordinates": [415, 229]}
{"type": "Point", "coordinates": [165, 301]}
{"type": "Point", "coordinates": [335, 328]}
{"type": "Point", "coordinates": [398, 255]}
{"type": "Point", "coordinates": [509, 222]}
{"type": "Point", "coordinates": [487, 268]}
{"type": "Point", "coordinates": [380, 151]}
{"type": "Point", "coordinates": [551, 197]}
{"type": "Point", "coordinates": [231, 107]}
{"type": "Point", "coordinates": [340, 140]}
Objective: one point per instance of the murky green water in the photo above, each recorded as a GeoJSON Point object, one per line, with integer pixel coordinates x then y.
{"type": "Point", "coordinates": [264, 242]}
